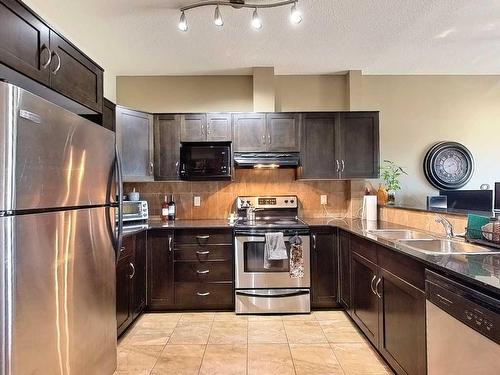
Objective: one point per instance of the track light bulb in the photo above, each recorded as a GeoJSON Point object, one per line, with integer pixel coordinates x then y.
{"type": "Point", "coordinates": [218, 17]}
{"type": "Point", "coordinates": [295, 15]}
{"type": "Point", "coordinates": [256, 21]}
{"type": "Point", "coordinates": [183, 24]}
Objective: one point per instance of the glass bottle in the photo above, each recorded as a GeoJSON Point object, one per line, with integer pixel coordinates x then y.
{"type": "Point", "coordinates": [164, 209]}
{"type": "Point", "coordinates": [171, 208]}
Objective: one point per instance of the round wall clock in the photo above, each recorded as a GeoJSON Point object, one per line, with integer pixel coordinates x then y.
{"type": "Point", "coordinates": [448, 165]}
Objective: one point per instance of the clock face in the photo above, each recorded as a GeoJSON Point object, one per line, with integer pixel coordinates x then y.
{"type": "Point", "coordinates": [448, 165]}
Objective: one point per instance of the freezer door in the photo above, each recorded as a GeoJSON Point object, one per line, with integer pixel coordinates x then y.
{"type": "Point", "coordinates": [61, 159]}
{"type": "Point", "coordinates": [64, 319]}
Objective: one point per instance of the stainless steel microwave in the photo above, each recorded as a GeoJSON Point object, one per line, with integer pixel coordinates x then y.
{"type": "Point", "coordinates": [202, 161]}
{"type": "Point", "coordinates": [135, 210]}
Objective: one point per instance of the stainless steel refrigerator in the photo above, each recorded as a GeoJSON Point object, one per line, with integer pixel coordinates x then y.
{"type": "Point", "coordinates": [57, 239]}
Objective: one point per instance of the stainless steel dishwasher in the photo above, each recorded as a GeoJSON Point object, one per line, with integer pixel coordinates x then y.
{"type": "Point", "coordinates": [463, 329]}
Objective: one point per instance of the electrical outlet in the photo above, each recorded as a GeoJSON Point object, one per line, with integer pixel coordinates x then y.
{"type": "Point", "coordinates": [197, 201]}
{"type": "Point", "coordinates": [324, 199]}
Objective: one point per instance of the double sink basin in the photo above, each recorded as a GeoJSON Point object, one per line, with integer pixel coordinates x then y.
{"type": "Point", "coordinates": [427, 244]}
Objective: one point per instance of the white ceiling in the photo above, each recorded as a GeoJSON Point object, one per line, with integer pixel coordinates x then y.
{"type": "Point", "coordinates": [133, 37]}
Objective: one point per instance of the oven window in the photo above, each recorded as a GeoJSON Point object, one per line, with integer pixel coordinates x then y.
{"type": "Point", "coordinates": [253, 257]}
{"type": "Point", "coordinates": [131, 208]}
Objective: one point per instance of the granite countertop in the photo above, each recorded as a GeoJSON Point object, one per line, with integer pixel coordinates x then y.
{"type": "Point", "coordinates": [156, 223]}
{"type": "Point", "coordinates": [448, 211]}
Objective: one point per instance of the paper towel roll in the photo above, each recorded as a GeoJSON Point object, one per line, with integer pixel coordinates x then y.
{"type": "Point", "coordinates": [369, 207]}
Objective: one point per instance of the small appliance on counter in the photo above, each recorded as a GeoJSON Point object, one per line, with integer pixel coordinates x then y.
{"type": "Point", "coordinates": [205, 161]}
{"type": "Point", "coordinates": [497, 198]}
{"type": "Point", "coordinates": [264, 285]}
{"type": "Point", "coordinates": [135, 211]}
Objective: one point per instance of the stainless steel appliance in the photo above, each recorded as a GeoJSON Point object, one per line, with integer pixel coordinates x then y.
{"type": "Point", "coordinates": [269, 290]}
{"type": "Point", "coordinates": [463, 329]}
{"type": "Point", "coordinates": [205, 161]}
{"type": "Point", "coordinates": [497, 197]}
{"type": "Point", "coordinates": [57, 239]}
{"type": "Point", "coordinates": [135, 211]}
{"type": "Point", "coordinates": [266, 159]}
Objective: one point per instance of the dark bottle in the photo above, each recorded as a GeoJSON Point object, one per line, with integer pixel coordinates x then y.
{"type": "Point", "coordinates": [164, 209]}
{"type": "Point", "coordinates": [171, 208]}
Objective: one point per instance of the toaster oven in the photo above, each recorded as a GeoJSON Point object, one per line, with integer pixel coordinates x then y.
{"type": "Point", "coordinates": [135, 211]}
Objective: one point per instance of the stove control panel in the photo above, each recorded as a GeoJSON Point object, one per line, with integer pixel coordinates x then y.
{"type": "Point", "coordinates": [288, 201]}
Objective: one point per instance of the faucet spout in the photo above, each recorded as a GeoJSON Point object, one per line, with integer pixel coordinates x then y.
{"type": "Point", "coordinates": [448, 227]}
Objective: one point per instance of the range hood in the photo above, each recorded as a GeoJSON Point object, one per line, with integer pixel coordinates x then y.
{"type": "Point", "coordinates": [266, 159]}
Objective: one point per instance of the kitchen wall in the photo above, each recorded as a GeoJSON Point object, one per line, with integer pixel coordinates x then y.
{"type": "Point", "coordinates": [217, 198]}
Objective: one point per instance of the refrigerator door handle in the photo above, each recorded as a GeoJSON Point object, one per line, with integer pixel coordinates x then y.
{"type": "Point", "coordinates": [119, 175]}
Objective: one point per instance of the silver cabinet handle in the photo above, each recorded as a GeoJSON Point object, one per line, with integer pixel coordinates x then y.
{"type": "Point", "coordinates": [207, 127]}
{"type": "Point", "coordinates": [269, 138]}
{"type": "Point", "coordinates": [151, 168]}
{"type": "Point", "coordinates": [314, 241]}
{"type": "Point", "coordinates": [371, 285]}
{"type": "Point", "coordinates": [202, 272]}
{"type": "Point", "coordinates": [203, 237]}
{"type": "Point", "coordinates": [343, 165]}
{"type": "Point", "coordinates": [202, 252]}
{"type": "Point", "coordinates": [376, 288]}
{"type": "Point", "coordinates": [49, 59]}
{"type": "Point", "coordinates": [133, 270]}
{"type": "Point", "coordinates": [203, 294]}
{"type": "Point", "coordinates": [54, 53]}
{"type": "Point", "coordinates": [122, 249]}
{"type": "Point", "coordinates": [263, 139]}
{"type": "Point", "coordinates": [170, 243]}
{"type": "Point", "coordinates": [177, 168]}
{"type": "Point", "coordinates": [337, 165]}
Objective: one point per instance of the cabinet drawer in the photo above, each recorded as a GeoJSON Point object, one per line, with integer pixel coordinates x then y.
{"type": "Point", "coordinates": [203, 272]}
{"type": "Point", "coordinates": [203, 237]}
{"type": "Point", "coordinates": [200, 253]}
{"type": "Point", "coordinates": [364, 248]}
{"type": "Point", "coordinates": [217, 296]}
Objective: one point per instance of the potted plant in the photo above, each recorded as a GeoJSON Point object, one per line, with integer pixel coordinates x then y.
{"type": "Point", "coordinates": [391, 173]}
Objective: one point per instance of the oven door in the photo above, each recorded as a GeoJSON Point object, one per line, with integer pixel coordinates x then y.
{"type": "Point", "coordinates": [250, 272]}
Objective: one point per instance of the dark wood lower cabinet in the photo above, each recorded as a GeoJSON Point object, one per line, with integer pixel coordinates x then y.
{"type": "Point", "coordinates": [344, 269]}
{"type": "Point", "coordinates": [123, 293]}
{"type": "Point", "coordinates": [160, 269]}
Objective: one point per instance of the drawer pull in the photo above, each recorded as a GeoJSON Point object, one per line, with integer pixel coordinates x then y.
{"type": "Point", "coordinates": [202, 252]}
{"type": "Point", "coordinates": [202, 272]}
{"type": "Point", "coordinates": [203, 294]}
{"type": "Point", "coordinates": [203, 237]}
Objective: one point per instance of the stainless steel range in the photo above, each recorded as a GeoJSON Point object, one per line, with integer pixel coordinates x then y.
{"type": "Point", "coordinates": [264, 286]}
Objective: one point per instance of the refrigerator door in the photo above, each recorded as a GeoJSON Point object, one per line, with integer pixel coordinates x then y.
{"type": "Point", "coordinates": [5, 293]}
{"type": "Point", "coordinates": [7, 101]}
{"type": "Point", "coordinates": [61, 159]}
{"type": "Point", "coordinates": [64, 319]}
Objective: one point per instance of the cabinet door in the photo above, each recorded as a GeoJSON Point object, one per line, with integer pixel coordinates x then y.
{"type": "Point", "coordinates": [134, 135]}
{"type": "Point", "coordinates": [160, 269]}
{"type": "Point", "coordinates": [139, 279]}
{"type": "Point", "coordinates": [74, 75]}
{"type": "Point", "coordinates": [364, 301]}
{"type": "Point", "coordinates": [167, 147]}
{"type": "Point", "coordinates": [358, 145]}
{"type": "Point", "coordinates": [194, 127]}
{"type": "Point", "coordinates": [108, 115]}
{"type": "Point", "coordinates": [402, 325]}
{"type": "Point", "coordinates": [219, 127]}
{"type": "Point", "coordinates": [318, 138]}
{"type": "Point", "coordinates": [283, 132]}
{"type": "Point", "coordinates": [123, 293]}
{"type": "Point", "coordinates": [323, 268]}
{"type": "Point", "coordinates": [249, 132]}
{"type": "Point", "coordinates": [25, 41]}
{"type": "Point", "coordinates": [345, 269]}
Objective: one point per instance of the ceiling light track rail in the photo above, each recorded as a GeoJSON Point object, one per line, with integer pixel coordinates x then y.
{"type": "Point", "coordinates": [238, 5]}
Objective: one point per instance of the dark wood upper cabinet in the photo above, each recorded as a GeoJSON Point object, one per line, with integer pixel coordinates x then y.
{"type": "Point", "coordinates": [74, 75]}
{"type": "Point", "coordinates": [108, 114]}
{"type": "Point", "coordinates": [25, 43]}
{"type": "Point", "coordinates": [345, 269]}
{"type": "Point", "coordinates": [167, 147]}
{"type": "Point", "coordinates": [193, 127]}
{"type": "Point", "coordinates": [249, 132]}
{"type": "Point", "coordinates": [283, 132]}
{"type": "Point", "coordinates": [324, 265]}
{"type": "Point", "coordinates": [160, 267]}
{"type": "Point", "coordinates": [219, 127]}
{"type": "Point", "coordinates": [318, 138]}
{"type": "Point", "coordinates": [359, 145]}
{"type": "Point", "coordinates": [134, 137]}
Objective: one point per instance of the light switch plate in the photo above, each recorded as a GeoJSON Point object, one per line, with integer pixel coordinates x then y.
{"type": "Point", "coordinates": [324, 199]}
{"type": "Point", "coordinates": [197, 201]}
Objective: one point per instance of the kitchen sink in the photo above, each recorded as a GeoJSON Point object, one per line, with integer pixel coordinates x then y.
{"type": "Point", "coordinates": [400, 234]}
{"type": "Point", "coordinates": [444, 247]}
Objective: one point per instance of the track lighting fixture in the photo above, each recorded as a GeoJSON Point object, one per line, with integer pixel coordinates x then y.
{"type": "Point", "coordinates": [295, 14]}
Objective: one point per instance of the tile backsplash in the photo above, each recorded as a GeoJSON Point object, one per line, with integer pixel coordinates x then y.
{"type": "Point", "coordinates": [217, 198]}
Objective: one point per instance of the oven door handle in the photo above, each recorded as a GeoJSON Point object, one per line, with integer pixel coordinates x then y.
{"type": "Point", "coordinates": [281, 295]}
{"type": "Point", "coordinates": [287, 236]}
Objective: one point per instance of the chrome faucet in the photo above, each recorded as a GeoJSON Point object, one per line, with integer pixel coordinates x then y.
{"type": "Point", "coordinates": [448, 227]}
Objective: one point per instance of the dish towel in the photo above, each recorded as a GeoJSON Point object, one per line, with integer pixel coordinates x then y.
{"type": "Point", "coordinates": [296, 258]}
{"type": "Point", "coordinates": [274, 249]}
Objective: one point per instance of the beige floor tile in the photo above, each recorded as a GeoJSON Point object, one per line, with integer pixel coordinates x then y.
{"type": "Point", "coordinates": [314, 359]}
{"type": "Point", "coordinates": [298, 317]}
{"type": "Point", "coordinates": [229, 332]}
{"type": "Point", "coordinates": [330, 315]}
{"type": "Point", "coordinates": [197, 317]}
{"type": "Point", "coordinates": [147, 337]}
{"type": "Point", "coordinates": [152, 318]}
{"type": "Point", "coordinates": [266, 332]}
{"type": "Point", "coordinates": [224, 359]}
{"type": "Point", "coordinates": [341, 331]}
{"type": "Point", "coordinates": [137, 358]}
{"type": "Point", "coordinates": [269, 359]}
{"type": "Point", "coordinates": [264, 317]}
{"type": "Point", "coordinates": [358, 359]}
{"type": "Point", "coordinates": [133, 372]}
{"type": "Point", "coordinates": [304, 332]}
{"type": "Point", "coordinates": [179, 359]}
{"type": "Point", "coordinates": [224, 316]}
{"type": "Point", "coordinates": [191, 333]}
